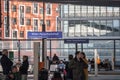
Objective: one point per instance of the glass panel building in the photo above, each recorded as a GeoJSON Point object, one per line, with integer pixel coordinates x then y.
{"type": "Point", "coordinates": [97, 23]}
{"type": "Point", "coordinates": [90, 21]}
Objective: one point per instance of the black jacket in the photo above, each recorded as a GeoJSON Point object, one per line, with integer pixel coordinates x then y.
{"type": "Point", "coordinates": [24, 67]}
{"type": "Point", "coordinates": [6, 64]}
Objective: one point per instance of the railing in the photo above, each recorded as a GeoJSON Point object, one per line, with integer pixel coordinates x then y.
{"type": "Point", "coordinates": [95, 14]}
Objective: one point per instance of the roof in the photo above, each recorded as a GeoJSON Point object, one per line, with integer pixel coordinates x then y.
{"type": "Point", "coordinates": [112, 3]}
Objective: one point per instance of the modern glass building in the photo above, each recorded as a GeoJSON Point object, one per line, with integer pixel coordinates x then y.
{"type": "Point", "coordinates": [99, 24]}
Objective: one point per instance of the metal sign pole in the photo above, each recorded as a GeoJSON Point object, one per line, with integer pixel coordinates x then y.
{"type": "Point", "coordinates": [44, 41]}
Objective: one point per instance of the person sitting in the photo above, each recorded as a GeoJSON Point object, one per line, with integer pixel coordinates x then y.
{"type": "Point", "coordinates": [14, 74]}
{"type": "Point", "coordinates": [61, 66]}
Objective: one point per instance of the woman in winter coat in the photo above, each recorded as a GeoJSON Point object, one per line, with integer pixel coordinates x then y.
{"type": "Point", "coordinates": [77, 65]}
{"type": "Point", "coordinates": [85, 69]}
{"type": "Point", "coordinates": [24, 68]}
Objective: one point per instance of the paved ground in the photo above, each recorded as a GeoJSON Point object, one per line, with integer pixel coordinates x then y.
{"type": "Point", "coordinates": [92, 77]}
{"type": "Point", "coordinates": [104, 77]}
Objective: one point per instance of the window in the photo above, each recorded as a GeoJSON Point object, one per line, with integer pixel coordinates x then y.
{"type": "Point", "coordinates": [15, 45]}
{"type": "Point", "coordinates": [41, 22]}
{"type": "Point", "coordinates": [41, 10]}
{"type": "Point", "coordinates": [35, 24]}
{"type": "Point", "coordinates": [35, 8]}
{"type": "Point", "coordinates": [21, 15]}
{"type": "Point", "coordinates": [6, 45]}
{"type": "Point", "coordinates": [6, 28]}
{"type": "Point", "coordinates": [14, 8]}
{"type": "Point", "coordinates": [28, 22]}
{"type": "Point", "coordinates": [1, 45]}
{"type": "Point", "coordinates": [28, 9]}
{"type": "Point", "coordinates": [14, 21]}
{"type": "Point", "coordinates": [14, 34]}
{"type": "Point", "coordinates": [48, 22]}
{"type": "Point", "coordinates": [48, 8]}
{"type": "Point", "coordinates": [5, 5]}
{"type": "Point", "coordinates": [22, 9]}
{"type": "Point", "coordinates": [21, 21]}
{"type": "Point", "coordinates": [29, 45]}
{"type": "Point", "coordinates": [21, 33]}
{"type": "Point", "coordinates": [0, 33]}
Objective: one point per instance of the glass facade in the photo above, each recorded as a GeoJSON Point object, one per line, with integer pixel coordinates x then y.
{"type": "Point", "coordinates": [90, 21]}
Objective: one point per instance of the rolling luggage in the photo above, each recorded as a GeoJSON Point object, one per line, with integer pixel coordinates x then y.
{"type": "Point", "coordinates": [43, 74]}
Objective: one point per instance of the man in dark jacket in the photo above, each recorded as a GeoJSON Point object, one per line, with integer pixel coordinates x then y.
{"type": "Point", "coordinates": [69, 70]}
{"type": "Point", "coordinates": [6, 63]}
{"type": "Point", "coordinates": [55, 58]}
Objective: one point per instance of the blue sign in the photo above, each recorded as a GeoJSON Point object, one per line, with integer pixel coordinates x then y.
{"type": "Point", "coordinates": [38, 35]}
{"type": "Point", "coordinates": [76, 40]}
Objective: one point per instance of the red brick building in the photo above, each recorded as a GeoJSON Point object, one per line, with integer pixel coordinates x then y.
{"type": "Point", "coordinates": [27, 16]}
{"type": "Point", "coordinates": [23, 17]}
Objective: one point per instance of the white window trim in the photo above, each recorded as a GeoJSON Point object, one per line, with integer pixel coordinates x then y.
{"type": "Point", "coordinates": [4, 5]}
{"type": "Point", "coordinates": [13, 37]}
{"type": "Point", "coordinates": [56, 23]}
{"type": "Point", "coordinates": [21, 37]}
{"type": "Point", "coordinates": [40, 11]}
{"type": "Point", "coordinates": [51, 9]}
{"type": "Point", "coordinates": [33, 9]}
{"type": "Point", "coordinates": [12, 34]}
{"type": "Point", "coordinates": [34, 25]}
{"type": "Point", "coordinates": [4, 28]}
{"type": "Point", "coordinates": [10, 20]}
{"type": "Point", "coordinates": [1, 42]}
{"type": "Point", "coordinates": [19, 15]}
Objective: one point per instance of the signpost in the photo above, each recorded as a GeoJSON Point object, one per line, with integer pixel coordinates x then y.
{"type": "Point", "coordinates": [76, 40]}
{"type": "Point", "coordinates": [38, 35]}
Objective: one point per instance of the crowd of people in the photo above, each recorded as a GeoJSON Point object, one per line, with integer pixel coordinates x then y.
{"type": "Point", "coordinates": [76, 68]}
{"type": "Point", "coordinates": [103, 64]}
{"type": "Point", "coordinates": [12, 71]}
{"type": "Point", "coordinates": [73, 69]}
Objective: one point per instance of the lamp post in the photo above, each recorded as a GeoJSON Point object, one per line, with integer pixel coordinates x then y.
{"type": "Point", "coordinates": [44, 47]}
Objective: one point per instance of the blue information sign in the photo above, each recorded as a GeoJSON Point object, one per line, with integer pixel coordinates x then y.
{"type": "Point", "coordinates": [76, 40]}
{"type": "Point", "coordinates": [38, 35]}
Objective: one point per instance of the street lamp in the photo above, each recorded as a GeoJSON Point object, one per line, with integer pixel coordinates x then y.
{"type": "Point", "coordinates": [44, 48]}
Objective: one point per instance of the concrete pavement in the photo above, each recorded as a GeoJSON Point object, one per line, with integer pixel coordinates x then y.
{"type": "Point", "coordinates": [92, 77]}
{"type": "Point", "coordinates": [104, 77]}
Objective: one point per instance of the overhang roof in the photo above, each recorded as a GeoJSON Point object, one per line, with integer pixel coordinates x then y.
{"type": "Point", "coordinates": [115, 3]}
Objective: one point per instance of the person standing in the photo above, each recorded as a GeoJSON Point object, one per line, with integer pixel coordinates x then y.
{"type": "Point", "coordinates": [24, 68]}
{"type": "Point", "coordinates": [6, 63]}
{"type": "Point", "coordinates": [55, 58]}
{"type": "Point", "coordinates": [77, 65]}
{"type": "Point", "coordinates": [69, 70]}
{"type": "Point", "coordinates": [83, 57]}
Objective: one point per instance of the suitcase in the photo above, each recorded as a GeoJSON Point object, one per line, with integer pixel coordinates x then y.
{"type": "Point", "coordinates": [56, 79]}
{"type": "Point", "coordinates": [43, 74]}
{"type": "Point", "coordinates": [57, 76]}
